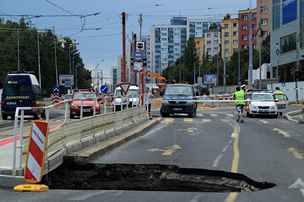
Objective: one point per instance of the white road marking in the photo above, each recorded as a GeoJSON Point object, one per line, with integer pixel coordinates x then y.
{"type": "Point", "coordinates": [214, 115]}
{"type": "Point", "coordinates": [200, 115]}
{"type": "Point", "coordinates": [86, 196]}
{"type": "Point", "coordinates": [296, 153]}
{"type": "Point", "coordinates": [281, 132]}
{"type": "Point", "coordinates": [299, 184]}
{"type": "Point", "coordinates": [229, 115]}
{"type": "Point", "coordinates": [263, 121]}
{"type": "Point", "coordinates": [196, 198]}
{"type": "Point", "coordinates": [206, 120]}
{"type": "Point", "coordinates": [168, 151]}
{"type": "Point", "coordinates": [188, 120]}
{"type": "Point", "coordinates": [220, 156]}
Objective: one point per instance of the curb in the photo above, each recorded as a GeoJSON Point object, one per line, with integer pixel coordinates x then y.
{"type": "Point", "coordinates": [289, 115]}
{"type": "Point", "coordinates": [101, 149]}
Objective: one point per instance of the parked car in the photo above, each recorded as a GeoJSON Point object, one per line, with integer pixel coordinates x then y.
{"type": "Point", "coordinates": [179, 98]}
{"type": "Point", "coordinates": [261, 103]}
{"type": "Point", "coordinates": [21, 90]}
{"type": "Point", "coordinates": [88, 101]}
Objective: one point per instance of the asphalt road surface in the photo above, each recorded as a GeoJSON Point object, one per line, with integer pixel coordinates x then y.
{"type": "Point", "coordinates": [263, 149]}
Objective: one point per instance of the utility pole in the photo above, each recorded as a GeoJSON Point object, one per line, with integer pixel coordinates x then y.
{"type": "Point", "coordinates": [217, 70]}
{"type": "Point", "coordinates": [39, 65]}
{"type": "Point", "coordinates": [123, 62]}
{"type": "Point", "coordinates": [225, 76]}
{"type": "Point", "coordinates": [140, 22]}
{"type": "Point", "coordinates": [239, 66]}
{"type": "Point", "coordinates": [250, 67]}
{"type": "Point", "coordinates": [55, 55]}
{"type": "Point", "coordinates": [18, 47]}
{"type": "Point", "coordinates": [70, 61]}
{"type": "Point", "coordinates": [297, 68]}
{"type": "Point", "coordinates": [194, 74]}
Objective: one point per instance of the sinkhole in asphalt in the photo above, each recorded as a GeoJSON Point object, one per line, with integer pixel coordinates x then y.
{"type": "Point", "coordinates": [148, 177]}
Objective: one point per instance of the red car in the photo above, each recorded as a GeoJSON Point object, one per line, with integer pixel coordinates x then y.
{"type": "Point", "coordinates": [88, 101]}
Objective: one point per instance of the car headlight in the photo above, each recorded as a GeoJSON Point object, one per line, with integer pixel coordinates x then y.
{"type": "Point", "coordinates": [273, 108]}
{"type": "Point", "coordinates": [74, 106]}
{"type": "Point", "coordinates": [254, 107]}
{"type": "Point", "coordinates": [165, 102]}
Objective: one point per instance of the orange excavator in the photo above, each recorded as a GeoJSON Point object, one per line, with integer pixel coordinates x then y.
{"type": "Point", "coordinates": [160, 80]}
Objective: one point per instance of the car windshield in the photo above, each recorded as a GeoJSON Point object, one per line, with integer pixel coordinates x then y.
{"type": "Point", "coordinates": [85, 96]}
{"type": "Point", "coordinates": [179, 90]}
{"type": "Point", "coordinates": [18, 86]}
{"type": "Point", "coordinates": [262, 97]}
{"type": "Point", "coordinates": [131, 93]}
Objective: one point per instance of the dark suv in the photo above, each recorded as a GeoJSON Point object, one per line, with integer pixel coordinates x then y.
{"type": "Point", "coordinates": [179, 98]}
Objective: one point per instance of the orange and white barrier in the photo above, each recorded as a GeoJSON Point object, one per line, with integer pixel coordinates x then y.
{"type": "Point", "coordinates": [36, 152]}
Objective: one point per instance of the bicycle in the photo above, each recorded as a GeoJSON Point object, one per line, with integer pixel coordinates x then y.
{"type": "Point", "coordinates": [239, 110]}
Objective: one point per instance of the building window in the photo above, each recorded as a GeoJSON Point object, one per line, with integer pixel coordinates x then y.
{"type": "Point", "coordinates": [245, 37]}
{"type": "Point", "coordinates": [234, 33]}
{"type": "Point", "coordinates": [226, 42]}
{"type": "Point", "coordinates": [245, 27]}
{"type": "Point", "coordinates": [226, 34]}
{"type": "Point", "coordinates": [208, 42]}
{"type": "Point", "coordinates": [288, 43]}
{"type": "Point", "coordinates": [226, 26]}
{"type": "Point", "coordinates": [234, 25]}
{"type": "Point", "coordinates": [264, 22]}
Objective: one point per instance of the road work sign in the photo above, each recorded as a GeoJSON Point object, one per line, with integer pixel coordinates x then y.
{"type": "Point", "coordinates": [37, 149]}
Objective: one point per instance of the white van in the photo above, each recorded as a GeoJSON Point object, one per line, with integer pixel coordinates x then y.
{"type": "Point", "coordinates": [132, 98]}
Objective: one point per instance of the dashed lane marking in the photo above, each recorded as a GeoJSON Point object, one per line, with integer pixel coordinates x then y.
{"type": "Point", "coordinates": [263, 121]}
{"type": "Point", "coordinates": [188, 120]}
{"type": "Point", "coordinates": [214, 115]}
{"type": "Point", "coordinates": [167, 151]}
{"type": "Point", "coordinates": [221, 155]}
{"type": "Point", "coordinates": [229, 115]}
{"type": "Point", "coordinates": [206, 120]}
{"type": "Point", "coordinates": [167, 121]}
{"type": "Point", "coordinates": [281, 132]}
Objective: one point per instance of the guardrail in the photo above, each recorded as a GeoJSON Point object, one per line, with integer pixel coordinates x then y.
{"type": "Point", "coordinates": [69, 130]}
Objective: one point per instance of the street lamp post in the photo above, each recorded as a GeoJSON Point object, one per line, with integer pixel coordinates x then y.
{"type": "Point", "coordinates": [38, 52]}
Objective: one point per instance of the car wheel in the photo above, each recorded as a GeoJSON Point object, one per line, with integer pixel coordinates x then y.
{"type": "Point", "coordinates": [36, 117]}
{"type": "Point", "coordinates": [43, 115]}
{"type": "Point", "coordinates": [164, 114]}
{"type": "Point", "coordinates": [4, 116]}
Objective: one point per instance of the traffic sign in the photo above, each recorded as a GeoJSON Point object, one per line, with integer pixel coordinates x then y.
{"type": "Point", "coordinates": [104, 89]}
{"type": "Point", "coordinates": [37, 148]}
{"type": "Point", "coordinates": [124, 88]}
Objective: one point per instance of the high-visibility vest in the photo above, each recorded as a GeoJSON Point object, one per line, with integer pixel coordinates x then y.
{"type": "Point", "coordinates": [279, 92]}
{"type": "Point", "coordinates": [239, 97]}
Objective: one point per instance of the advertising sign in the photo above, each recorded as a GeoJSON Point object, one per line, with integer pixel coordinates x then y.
{"type": "Point", "coordinates": [210, 79]}
{"type": "Point", "coordinates": [66, 80]}
{"type": "Point", "coordinates": [289, 11]}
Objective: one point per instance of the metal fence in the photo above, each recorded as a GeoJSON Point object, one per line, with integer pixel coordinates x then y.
{"type": "Point", "coordinates": [64, 131]}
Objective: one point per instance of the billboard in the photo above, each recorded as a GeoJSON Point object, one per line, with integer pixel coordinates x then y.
{"type": "Point", "coordinates": [66, 80]}
{"type": "Point", "coordinates": [289, 11]}
{"type": "Point", "coordinates": [210, 79]}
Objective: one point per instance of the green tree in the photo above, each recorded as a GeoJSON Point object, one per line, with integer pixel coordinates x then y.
{"type": "Point", "coordinates": [29, 54]}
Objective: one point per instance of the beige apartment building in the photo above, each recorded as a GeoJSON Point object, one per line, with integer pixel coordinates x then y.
{"type": "Point", "coordinates": [229, 36]}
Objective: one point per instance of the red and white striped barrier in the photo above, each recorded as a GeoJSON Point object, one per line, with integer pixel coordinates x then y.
{"type": "Point", "coordinates": [36, 152]}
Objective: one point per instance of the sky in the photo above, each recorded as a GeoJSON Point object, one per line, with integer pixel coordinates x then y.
{"type": "Point", "coordinates": [103, 46]}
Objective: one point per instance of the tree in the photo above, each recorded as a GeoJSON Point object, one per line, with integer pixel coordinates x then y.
{"type": "Point", "coordinates": [28, 54]}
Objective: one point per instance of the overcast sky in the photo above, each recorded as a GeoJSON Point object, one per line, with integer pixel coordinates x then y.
{"type": "Point", "coordinates": [105, 44]}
